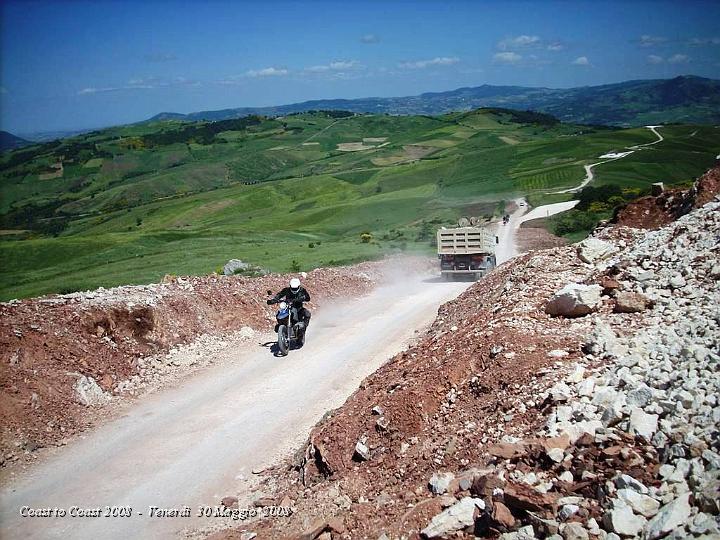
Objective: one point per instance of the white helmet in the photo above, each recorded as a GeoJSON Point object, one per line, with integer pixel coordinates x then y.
{"type": "Point", "coordinates": [294, 284]}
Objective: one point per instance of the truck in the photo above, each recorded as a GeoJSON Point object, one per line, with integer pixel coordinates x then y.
{"type": "Point", "coordinates": [466, 252]}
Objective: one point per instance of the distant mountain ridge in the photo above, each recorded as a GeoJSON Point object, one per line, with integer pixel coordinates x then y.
{"type": "Point", "coordinates": [8, 141]}
{"type": "Point", "coordinates": [686, 99]}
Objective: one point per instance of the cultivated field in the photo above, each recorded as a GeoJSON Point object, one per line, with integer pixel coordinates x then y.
{"type": "Point", "coordinates": [135, 203]}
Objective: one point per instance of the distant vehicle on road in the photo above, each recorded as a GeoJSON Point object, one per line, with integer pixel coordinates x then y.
{"type": "Point", "coordinates": [466, 252]}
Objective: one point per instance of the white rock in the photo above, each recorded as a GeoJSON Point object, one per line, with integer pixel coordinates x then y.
{"type": "Point", "coordinates": [455, 518]}
{"type": "Point", "coordinates": [622, 521]}
{"type": "Point", "coordinates": [89, 393]}
{"type": "Point", "coordinates": [627, 481]}
{"type": "Point", "coordinates": [567, 511]}
{"type": "Point", "coordinates": [575, 300]}
{"type": "Point", "coordinates": [560, 392]}
{"type": "Point", "coordinates": [586, 387]}
{"type": "Point", "coordinates": [640, 396]}
{"type": "Point", "coordinates": [439, 482]}
{"type": "Point", "coordinates": [556, 454]}
{"type": "Point", "coordinates": [594, 249]}
{"type": "Point", "coordinates": [574, 531]}
{"type": "Point", "coordinates": [642, 423]}
{"type": "Point", "coordinates": [677, 281]}
{"type": "Point", "coordinates": [641, 504]}
{"type": "Point", "coordinates": [362, 451]}
{"type": "Point", "coordinates": [566, 476]}
{"type": "Point", "coordinates": [246, 332]}
{"type": "Point", "coordinates": [669, 517]}
{"type": "Point", "coordinates": [577, 375]}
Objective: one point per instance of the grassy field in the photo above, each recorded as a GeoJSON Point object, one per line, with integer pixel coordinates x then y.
{"type": "Point", "coordinates": [138, 202]}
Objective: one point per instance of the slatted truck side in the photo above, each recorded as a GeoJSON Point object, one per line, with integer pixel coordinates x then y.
{"type": "Point", "coordinates": [465, 252]}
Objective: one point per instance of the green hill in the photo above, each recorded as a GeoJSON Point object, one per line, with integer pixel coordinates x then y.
{"type": "Point", "coordinates": [8, 141]}
{"type": "Point", "coordinates": [131, 204]}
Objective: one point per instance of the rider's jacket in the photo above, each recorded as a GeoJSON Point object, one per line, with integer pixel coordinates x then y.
{"type": "Point", "coordinates": [294, 298]}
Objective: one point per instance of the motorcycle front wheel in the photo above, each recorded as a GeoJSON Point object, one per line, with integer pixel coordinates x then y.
{"type": "Point", "coordinates": [283, 341]}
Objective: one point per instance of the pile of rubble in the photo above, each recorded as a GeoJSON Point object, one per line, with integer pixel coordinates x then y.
{"type": "Point", "coordinates": [571, 394]}
{"type": "Point", "coordinates": [64, 355]}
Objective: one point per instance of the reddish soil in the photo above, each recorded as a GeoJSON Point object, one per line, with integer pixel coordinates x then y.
{"type": "Point", "coordinates": [45, 343]}
{"type": "Point", "coordinates": [474, 377]}
{"type": "Point", "coordinates": [533, 235]}
{"type": "Point", "coordinates": [654, 212]}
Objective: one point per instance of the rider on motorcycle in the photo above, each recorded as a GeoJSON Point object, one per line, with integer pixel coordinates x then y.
{"type": "Point", "coordinates": [294, 295]}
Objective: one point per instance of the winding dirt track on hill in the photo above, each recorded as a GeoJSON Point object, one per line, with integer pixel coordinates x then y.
{"type": "Point", "coordinates": [589, 175]}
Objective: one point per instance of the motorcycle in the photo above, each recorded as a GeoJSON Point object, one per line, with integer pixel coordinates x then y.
{"type": "Point", "coordinates": [290, 329]}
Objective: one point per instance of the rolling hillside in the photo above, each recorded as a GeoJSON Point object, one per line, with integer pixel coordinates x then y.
{"type": "Point", "coordinates": [131, 204]}
{"type": "Point", "coordinates": [8, 141]}
{"type": "Point", "coordinates": [687, 99]}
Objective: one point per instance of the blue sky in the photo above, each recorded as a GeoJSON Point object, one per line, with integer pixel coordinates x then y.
{"type": "Point", "coordinates": [73, 65]}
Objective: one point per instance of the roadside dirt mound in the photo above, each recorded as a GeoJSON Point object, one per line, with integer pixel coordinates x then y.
{"type": "Point", "coordinates": [652, 212]}
{"type": "Point", "coordinates": [522, 424]}
{"type": "Point", "coordinates": [64, 355]}
{"type": "Point", "coordinates": [476, 376]}
{"type": "Point", "coordinates": [534, 235]}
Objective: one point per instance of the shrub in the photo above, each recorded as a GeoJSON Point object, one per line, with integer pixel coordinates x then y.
{"type": "Point", "coordinates": [573, 221]}
{"type": "Point", "coordinates": [366, 238]}
{"type": "Point", "coordinates": [294, 266]}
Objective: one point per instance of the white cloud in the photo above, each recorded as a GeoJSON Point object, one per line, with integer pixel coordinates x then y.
{"type": "Point", "coordinates": [335, 66]}
{"type": "Point", "coordinates": [555, 46]}
{"type": "Point", "coordinates": [651, 41]}
{"type": "Point", "coordinates": [506, 58]}
{"type": "Point", "coordinates": [655, 59]}
{"type": "Point", "coordinates": [581, 61]}
{"type": "Point", "coordinates": [518, 42]}
{"type": "Point", "coordinates": [369, 38]}
{"type": "Point", "coordinates": [267, 72]}
{"type": "Point", "coordinates": [705, 41]}
{"type": "Point", "coordinates": [422, 64]}
{"type": "Point", "coordinates": [679, 59]}
{"type": "Point", "coordinates": [140, 83]}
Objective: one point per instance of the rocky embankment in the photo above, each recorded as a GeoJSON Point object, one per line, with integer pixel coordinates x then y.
{"type": "Point", "coordinates": [572, 394]}
{"type": "Point", "coordinates": [67, 358]}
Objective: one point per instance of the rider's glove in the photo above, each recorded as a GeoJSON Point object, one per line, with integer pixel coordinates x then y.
{"type": "Point", "coordinates": [270, 301]}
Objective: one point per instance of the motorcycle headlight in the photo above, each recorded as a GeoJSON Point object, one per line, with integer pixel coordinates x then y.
{"type": "Point", "coordinates": [283, 305]}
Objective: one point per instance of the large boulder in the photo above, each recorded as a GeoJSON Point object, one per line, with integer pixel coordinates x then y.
{"type": "Point", "coordinates": [622, 521]}
{"type": "Point", "coordinates": [233, 265]}
{"type": "Point", "coordinates": [593, 249]}
{"type": "Point", "coordinates": [575, 300]}
{"type": "Point", "coordinates": [670, 517]}
{"type": "Point", "coordinates": [641, 504]}
{"type": "Point", "coordinates": [456, 518]}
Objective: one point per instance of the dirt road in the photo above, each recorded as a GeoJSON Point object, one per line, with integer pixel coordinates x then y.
{"type": "Point", "coordinates": [193, 444]}
{"type": "Point", "coordinates": [507, 234]}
